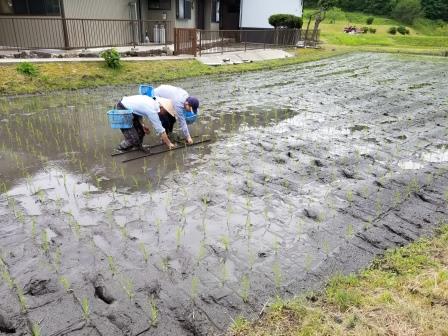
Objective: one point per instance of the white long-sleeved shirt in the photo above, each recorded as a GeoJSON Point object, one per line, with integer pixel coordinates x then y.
{"type": "Point", "coordinates": [178, 96]}
{"type": "Point", "coordinates": [145, 106]}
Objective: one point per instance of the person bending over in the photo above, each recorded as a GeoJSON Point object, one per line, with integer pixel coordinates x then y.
{"type": "Point", "coordinates": [142, 106]}
{"type": "Point", "coordinates": [182, 101]}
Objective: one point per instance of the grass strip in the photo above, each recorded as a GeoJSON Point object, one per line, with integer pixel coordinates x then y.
{"type": "Point", "coordinates": [403, 293]}
{"type": "Point", "coordinates": [78, 75]}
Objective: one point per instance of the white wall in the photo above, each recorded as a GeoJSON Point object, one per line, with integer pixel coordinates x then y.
{"type": "Point", "coordinates": [255, 13]}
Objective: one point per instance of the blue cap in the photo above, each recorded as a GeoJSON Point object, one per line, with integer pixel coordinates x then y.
{"type": "Point", "coordinates": [194, 103]}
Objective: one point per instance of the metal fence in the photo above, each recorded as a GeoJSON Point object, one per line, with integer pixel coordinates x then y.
{"type": "Point", "coordinates": [239, 40]}
{"type": "Point", "coordinates": [58, 33]}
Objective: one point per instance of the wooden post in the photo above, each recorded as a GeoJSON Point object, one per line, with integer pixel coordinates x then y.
{"type": "Point", "coordinates": [64, 24]}
{"type": "Point", "coordinates": [195, 42]}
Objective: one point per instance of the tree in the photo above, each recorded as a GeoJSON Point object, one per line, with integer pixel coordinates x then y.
{"type": "Point", "coordinates": [310, 3]}
{"type": "Point", "coordinates": [379, 7]}
{"type": "Point", "coordinates": [351, 5]}
{"type": "Point", "coordinates": [435, 9]}
{"type": "Point", "coordinates": [324, 6]}
{"type": "Point", "coordinates": [407, 11]}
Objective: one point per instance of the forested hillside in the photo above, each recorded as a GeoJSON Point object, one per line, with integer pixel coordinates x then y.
{"type": "Point", "coordinates": [404, 10]}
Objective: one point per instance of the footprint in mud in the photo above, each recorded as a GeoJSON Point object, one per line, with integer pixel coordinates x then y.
{"type": "Point", "coordinates": [6, 325]}
{"type": "Point", "coordinates": [102, 292]}
{"type": "Point", "coordinates": [38, 287]}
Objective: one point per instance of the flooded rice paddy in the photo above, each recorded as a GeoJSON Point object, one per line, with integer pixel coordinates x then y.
{"type": "Point", "coordinates": [312, 170]}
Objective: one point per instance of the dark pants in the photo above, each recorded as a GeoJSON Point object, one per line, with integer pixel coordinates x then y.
{"type": "Point", "coordinates": [167, 121]}
{"type": "Point", "coordinates": [132, 136]}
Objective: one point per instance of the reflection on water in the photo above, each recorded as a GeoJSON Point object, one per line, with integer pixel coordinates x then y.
{"type": "Point", "coordinates": [70, 131]}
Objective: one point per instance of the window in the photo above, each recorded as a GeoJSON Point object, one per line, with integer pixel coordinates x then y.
{"type": "Point", "coordinates": [159, 4]}
{"type": "Point", "coordinates": [183, 9]}
{"type": "Point", "coordinates": [30, 7]}
{"type": "Point", "coordinates": [215, 10]}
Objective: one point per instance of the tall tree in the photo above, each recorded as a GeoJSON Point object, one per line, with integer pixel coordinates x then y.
{"type": "Point", "coordinates": [407, 11]}
{"type": "Point", "coordinates": [379, 7]}
{"type": "Point", "coordinates": [324, 6]}
{"type": "Point", "coordinates": [435, 9]}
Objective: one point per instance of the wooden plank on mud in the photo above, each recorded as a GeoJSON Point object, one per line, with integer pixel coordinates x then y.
{"type": "Point", "coordinates": [166, 150]}
{"type": "Point", "coordinates": [145, 149]}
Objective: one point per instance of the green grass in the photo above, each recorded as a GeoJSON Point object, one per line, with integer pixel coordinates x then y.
{"type": "Point", "coordinates": [60, 76]}
{"type": "Point", "coordinates": [424, 34]}
{"type": "Point", "coordinates": [435, 42]}
{"type": "Point", "coordinates": [359, 18]}
{"type": "Point", "coordinates": [403, 293]}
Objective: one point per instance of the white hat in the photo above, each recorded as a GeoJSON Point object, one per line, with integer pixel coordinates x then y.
{"type": "Point", "coordinates": [167, 104]}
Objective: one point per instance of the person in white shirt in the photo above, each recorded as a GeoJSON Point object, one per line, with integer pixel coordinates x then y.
{"type": "Point", "coordinates": [182, 102]}
{"type": "Point", "coordinates": [143, 106]}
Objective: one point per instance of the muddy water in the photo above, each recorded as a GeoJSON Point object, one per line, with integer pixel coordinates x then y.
{"type": "Point", "coordinates": [313, 169]}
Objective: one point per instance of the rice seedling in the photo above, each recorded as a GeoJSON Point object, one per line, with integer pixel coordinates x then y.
{"type": "Point", "coordinates": [5, 275]}
{"type": "Point", "coordinates": [85, 305]}
{"type": "Point", "coordinates": [378, 207]}
{"type": "Point", "coordinates": [350, 196]}
{"type": "Point", "coordinates": [154, 313]}
{"type": "Point", "coordinates": [277, 271]}
{"type": "Point", "coordinates": [326, 247]}
{"type": "Point", "coordinates": [245, 288]}
{"type": "Point", "coordinates": [45, 243]}
{"type": "Point", "coordinates": [225, 241]}
{"type": "Point", "coordinates": [33, 228]}
{"type": "Point", "coordinates": [128, 287]}
{"type": "Point", "coordinates": [22, 300]}
{"type": "Point", "coordinates": [76, 229]}
{"type": "Point", "coordinates": [201, 252]}
{"type": "Point", "coordinates": [224, 272]}
{"type": "Point", "coordinates": [194, 287]}
{"type": "Point", "coordinates": [65, 283]}
{"type": "Point", "coordinates": [36, 329]}
{"type": "Point", "coordinates": [350, 231]}
{"type": "Point", "coordinates": [276, 245]}
{"type": "Point", "coordinates": [144, 252]}
{"type": "Point", "coordinates": [179, 234]}
{"type": "Point", "coordinates": [158, 222]}
{"type": "Point", "coordinates": [112, 265]}
{"type": "Point", "coordinates": [165, 264]}
{"type": "Point", "coordinates": [57, 259]}
{"type": "Point", "coordinates": [397, 199]}
{"type": "Point", "coordinates": [124, 232]}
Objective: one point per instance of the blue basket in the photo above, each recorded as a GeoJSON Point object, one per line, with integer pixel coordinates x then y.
{"type": "Point", "coordinates": [120, 118]}
{"type": "Point", "coordinates": [190, 117]}
{"type": "Point", "coordinates": [146, 90]}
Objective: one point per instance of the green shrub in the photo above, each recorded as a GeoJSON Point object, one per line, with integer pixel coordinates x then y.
{"type": "Point", "coordinates": [112, 58]}
{"type": "Point", "coordinates": [392, 30]}
{"type": "Point", "coordinates": [365, 30]}
{"type": "Point", "coordinates": [372, 30]}
{"type": "Point", "coordinates": [401, 30]}
{"type": "Point", "coordinates": [27, 68]}
{"type": "Point", "coordinates": [285, 20]}
{"type": "Point", "coordinates": [369, 20]}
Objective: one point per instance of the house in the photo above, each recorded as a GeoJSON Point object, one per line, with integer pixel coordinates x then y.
{"type": "Point", "coordinates": [92, 23]}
